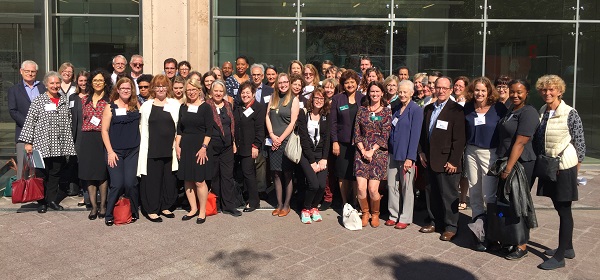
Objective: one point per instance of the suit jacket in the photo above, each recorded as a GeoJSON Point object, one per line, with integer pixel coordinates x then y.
{"type": "Point", "coordinates": [444, 145]}
{"type": "Point", "coordinates": [18, 104]}
{"type": "Point", "coordinates": [311, 151]}
{"type": "Point", "coordinates": [76, 118]}
{"type": "Point", "coordinates": [249, 130]}
{"type": "Point", "coordinates": [404, 139]}
{"type": "Point", "coordinates": [341, 122]}
{"type": "Point", "coordinates": [266, 91]}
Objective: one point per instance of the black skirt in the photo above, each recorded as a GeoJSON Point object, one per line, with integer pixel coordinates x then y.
{"type": "Point", "coordinates": [564, 189]}
{"type": "Point", "coordinates": [344, 163]}
{"type": "Point", "coordinates": [92, 163]}
{"type": "Point", "coordinates": [189, 169]}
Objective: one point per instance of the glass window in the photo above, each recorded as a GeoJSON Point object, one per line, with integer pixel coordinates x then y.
{"type": "Point", "coordinates": [346, 8]}
{"type": "Point", "coordinates": [121, 7]}
{"type": "Point", "coordinates": [588, 86]}
{"type": "Point", "coordinates": [19, 6]}
{"type": "Point", "coordinates": [541, 9]}
{"type": "Point", "coordinates": [344, 42]}
{"type": "Point", "coordinates": [256, 8]}
{"type": "Point", "coordinates": [529, 51]}
{"type": "Point", "coordinates": [439, 9]}
{"type": "Point", "coordinates": [589, 9]}
{"type": "Point", "coordinates": [91, 42]}
{"type": "Point", "coordinates": [262, 41]}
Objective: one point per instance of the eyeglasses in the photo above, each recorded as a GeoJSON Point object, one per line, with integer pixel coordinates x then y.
{"type": "Point", "coordinates": [309, 74]}
{"type": "Point", "coordinates": [184, 69]}
{"type": "Point", "coordinates": [502, 87]}
{"type": "Point", "coordinates": [125, 89]}
{"type": "Point", "coordinates": [284, 82]}
{"type": "Point", "coordinates": [137, 64]}
{"type": "Point", "coordinates": [192, 90]}
{"type": "Point", "coordinates": [67, 72]}
{"type": "Point", "coordinates": [318, 98]}
{"type": "Point", "coordinates": [28, 72]}
{"type": "Point", "coordinates": [170, 68]}
{"type": "Point", "coordinates": [97, 81]}
{"type": "Point", "coordinates": [143, 87]}
{"type": "Point", "coordinates": [160, 88]}
{"type": "Point", "coordinates": [119, 64]}
{"type": "Point", "coordinates": [442, 88]}
{"type": "Point", "coordinates": [257, 75]}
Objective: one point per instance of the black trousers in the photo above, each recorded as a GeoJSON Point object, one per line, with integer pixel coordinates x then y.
{"type": "Point", "coordinates": [53, 190]}
{"type": "Point", "coordinates": [250, 180]}
{"type": "Point", "coordinates": [158, 189]}
{"type": "Point", "coordinates": [316, 184]}
{"type": "Point", "coordinates": [261, 166]}
{"type": "Point", "coordinates": [123, 180]}
{"type": "Point", "coordinates": [442, 195]}
{"type": "Point", "coordinates": [222, 181]}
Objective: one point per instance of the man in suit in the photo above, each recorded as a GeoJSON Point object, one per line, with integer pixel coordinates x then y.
{"type": "Point", "coordinates": [137, 69]}
{"type": "Point", "coordinates": [263, 96]}
{"type": "Point", "coordinates": [20, 97]}
{"type": "Point", "coordinates": [119, 63]}
{"type": "Point", "coordinates": [441, 147]}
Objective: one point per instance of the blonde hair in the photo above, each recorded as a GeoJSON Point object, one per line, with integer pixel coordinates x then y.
{"type": "Point", "coordinates": [551, 81]}
{"type": "Point", "coordinates": [195, 83]}
{"type": "Point", "coordinates": [313, 69]}
{"type": "Point", "coordinates": [64, 67]}
{"type": "Point", "coordinates": [275, 97]}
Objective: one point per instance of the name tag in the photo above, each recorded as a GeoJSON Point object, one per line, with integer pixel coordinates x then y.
{"type": "Point", "coordinates": [95, 121]}
{"type": "Point", "coordinates": [166, 108]}
{"type": "Point", "coordinates": [345, 107]}
{"type": "Point", "coordinates": [235, 90]}
{"type": "Point", "coordinates": [441, 124]}
{"type": "Point", "coordinates": [218, 110]}
{"type": "Point", "coordinates": [395, 121]}
{"type": "Point", "coordinates": [50, 107]}
{"type": "Point", "coordinates": [267, 99]}
{"type": "Point", "coordinates": [121, 112]}
{"type": "Point", "coordinates": [268, 142]}
{"type": "Point", "coordinates": [324, 118]}
{"type": "Point", "coordinates": [248, 112]}
{"type": "Point", "coordinates": [301, 105]}
{"type": "Point", "coordinates": [309, 88]}
{"type": "Point", "coordinates": [71, 103]}
{"type": "Point", "coordinates": [480, 120]}
{"type": "Point", "coordinates": [192, 108]}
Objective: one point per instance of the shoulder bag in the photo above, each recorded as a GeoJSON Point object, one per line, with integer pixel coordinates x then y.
{"type": "Point", "coordinates": [546, 167]}
{"type": "Point", "coordinates": [293, 149]}
{"type": "Point", "coordinates": [29, 188]}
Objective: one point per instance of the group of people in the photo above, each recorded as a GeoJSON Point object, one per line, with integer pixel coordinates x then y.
{"type": "Point", "coordinates": [142, 136]}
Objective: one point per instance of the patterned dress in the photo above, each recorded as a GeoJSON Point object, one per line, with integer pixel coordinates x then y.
{"type": "Point", "coordinates": [370, 129]}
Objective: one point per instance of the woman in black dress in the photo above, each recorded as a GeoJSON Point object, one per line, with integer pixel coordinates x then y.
{"type": "Point", "coordinates": [193, 137]}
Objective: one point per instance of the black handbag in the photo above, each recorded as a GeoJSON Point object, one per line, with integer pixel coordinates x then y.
{"type": "Point", "coordinates": [546, 167]}
{"type": "Point", "coordinates": [504, 226]}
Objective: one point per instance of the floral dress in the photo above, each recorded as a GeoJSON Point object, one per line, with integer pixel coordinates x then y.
{"type": "Point", "coordinates": [369, 129]}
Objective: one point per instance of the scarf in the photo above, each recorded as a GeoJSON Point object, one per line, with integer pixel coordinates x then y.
{"type": "Point", "coordinates": [217, 119]}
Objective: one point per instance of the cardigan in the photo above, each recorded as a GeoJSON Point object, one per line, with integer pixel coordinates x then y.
{"type": "Point", "coordinates": [173, 106]}
{"type": "Point", "coordinates": [49, 130]}
{"type": "Point", "coordinates": [342, 125]}
{"type": "Point", "coordinates": [406, 131]}
{"type": "Point", "coordinates": [311, 151]}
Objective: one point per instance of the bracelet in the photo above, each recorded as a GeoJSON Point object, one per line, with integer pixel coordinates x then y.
{"type": "Point", "coordinates": [204, 146]}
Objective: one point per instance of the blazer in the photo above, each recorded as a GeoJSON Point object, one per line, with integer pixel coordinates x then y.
{"type": "Point", "coordinates": [310, 151]}
{"type": "Point", "coordinates": [76, 118]}
{"type": "Point", "coordinates": [173, 106]}
{"type": "Point", "coordinates": [18, 104]}
{"type": "Point", "coordinates": [249, 130]}
{"type": "Point", "coordinates": [404, 139]}
{"type": "Point", "coordinates": [266, 91]}
{"type": "Point", "coordinates": [341, 123]}
{"type": "Point", "coordinates": [444, 145]}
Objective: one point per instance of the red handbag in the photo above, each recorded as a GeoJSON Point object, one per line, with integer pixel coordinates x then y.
{"type": "Point", "coordinates": [122, 211]}
{"type": "Point", "coordinates": [211, 204]}
{"type": "Point", "coordinates": [28, 188]}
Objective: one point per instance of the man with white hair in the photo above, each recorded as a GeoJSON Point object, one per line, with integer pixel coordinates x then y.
{"type": "Point", "coordinates": [119, 63]}
{"type": "Point", "coordinates": [20, 97]}
{"type": "Point", "coordinates": [137, 69]}
{"type": "Point", "coordinates": [263, 91]}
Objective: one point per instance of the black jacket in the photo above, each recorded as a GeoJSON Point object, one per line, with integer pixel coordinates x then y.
{"type": "Point", "coordinates": [249, 130]}
{"type": "Point", "coordinates": [310, 151]}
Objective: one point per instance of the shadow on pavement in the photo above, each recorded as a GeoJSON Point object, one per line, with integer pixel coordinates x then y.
{"type": "Point", "coordinates": [244, 262]}
{"type": "Point", "coordinates": [405, 268]}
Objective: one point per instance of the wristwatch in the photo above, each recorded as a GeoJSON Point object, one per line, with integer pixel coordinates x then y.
{"type": "Point", "coordinates": [204, 146]}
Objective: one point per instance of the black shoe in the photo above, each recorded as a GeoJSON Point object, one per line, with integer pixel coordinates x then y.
{"type": "Point", "coordinates": [155, 220]}
{"type": "Point", "coordinates": [109, 222]}
{"type": "Point", "coordinates": [200, 220]}
{"type": "Point", "coordinates": [479, 247]}
{"type": "Point", "coordinates": [133, 220]}
{"type": "Point", "coordinates": [325, 205]}
{"type": "Point", "coordinates": [80, 204]}
{"type": "Point", "coordinates": [551, 264]}
{"type": "Point", "coordinates": [42, 208]}
{"type": "Point", "coordinates": [55, 206]}
{"type": "Point", "coordinates": [102, 215]}
{"type": "Point", "coordinates": [93, 215]}
{"type": "Point", "coordinates": [249, 209]}
{"type": "Point", "coordinates": [234, 212]}
{"type": "Point", "coordinates": [569, 253]}
{"type": "Point", "coordinates": [517, 254]}
{"type": "Point", "coordinates": [168, 215]}
{"type": "Point", "coordinates": [186, 217]}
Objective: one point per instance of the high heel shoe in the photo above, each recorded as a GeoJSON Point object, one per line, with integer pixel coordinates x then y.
{"type": "Point", "coordinates": [186, 217]}
{"type": "Point", "coordinates": [93, 215]}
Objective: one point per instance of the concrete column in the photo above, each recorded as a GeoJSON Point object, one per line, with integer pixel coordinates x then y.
{"type": "Point", "coordinates": [199, 39]}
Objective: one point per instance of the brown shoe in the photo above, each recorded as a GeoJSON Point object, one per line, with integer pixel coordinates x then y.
{"type": "Point", "coordinates": [364, 207]}
{"type": "Point", "coordinates": [375, 212]}
{"type": "Point", "coordinates": [275, 212]}
{"type": "Point", "coordinates": [427, 229]}
{"type": "Point", "coordinates": [284, 212]}
{"type": "Point", "coordinates": [447, 235]}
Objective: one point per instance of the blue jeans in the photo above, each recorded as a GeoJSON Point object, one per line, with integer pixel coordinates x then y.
{"type": "Point", "coordinates": [123, 180]}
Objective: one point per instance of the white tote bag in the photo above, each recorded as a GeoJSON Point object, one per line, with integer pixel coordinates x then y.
{"type": "Point", "coordinates": [350, 218]}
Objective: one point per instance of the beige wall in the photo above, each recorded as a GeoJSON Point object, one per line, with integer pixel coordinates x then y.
{"type": "Point", "coordinates": [178, 29]}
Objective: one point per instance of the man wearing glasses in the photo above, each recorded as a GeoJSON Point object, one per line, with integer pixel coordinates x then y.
{"type": "Point", "coordinates": [137, 69]}
{"type": "Point", "coordinates": [441, 147]}
{"type": "Point", "coordinates": [119, 63]}
{"type": "Point", "coordinates": [20, 97]}
{"type": "Point", "coordinates": [170, 65]}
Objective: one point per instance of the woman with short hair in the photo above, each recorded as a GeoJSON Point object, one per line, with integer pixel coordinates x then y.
{"type": "Point", "coordinates": [271, 75]}
{"type": "Point", "coordinates": [184, 68]}
{"type": "Point", "coordinates": [501, 84]}
{"type": "Point", "coordinates": [391, 84]}
{"type": "Point", "coordinates": [67, 72]}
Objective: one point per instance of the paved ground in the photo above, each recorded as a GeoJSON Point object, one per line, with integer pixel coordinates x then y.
{"type": "Point", "coordinates": [65, 245]}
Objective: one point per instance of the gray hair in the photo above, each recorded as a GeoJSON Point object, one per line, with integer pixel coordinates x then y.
{"type": "Point", "coordinates": [119, 56]}
{"type": "Point", "coordinates": [134, 57]}
{"type": "Point", "coordinates": [409, 84]}
{"type": "Point", "coordinates": [29, 62]}
{"type": "Point", "coordinates": [50, 75]}
{"type": "Point", "coordinates": [256, 65]}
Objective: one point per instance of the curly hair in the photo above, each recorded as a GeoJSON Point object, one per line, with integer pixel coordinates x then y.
{"type": "Point", "coordinates": [492, 93]}
{"type": "Point", "coordinates": [551, 81]}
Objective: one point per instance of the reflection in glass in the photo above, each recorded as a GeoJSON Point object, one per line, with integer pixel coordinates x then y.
{"type": "Point", "coordinates": [589, 9]}
{"type": "Point", "coordinates": [540, 9]}
{"type": "Point", "coordinates": [256, 8]}
{"type": "Point", "coordinates": [122, 7]}
{"type": "Point", "coordinates": [346, 8]}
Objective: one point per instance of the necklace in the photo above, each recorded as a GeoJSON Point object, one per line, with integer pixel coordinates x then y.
{"type": "Point", "coordinates": [372, 112]}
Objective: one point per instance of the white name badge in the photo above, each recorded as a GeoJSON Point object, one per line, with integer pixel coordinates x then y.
{"type": "Point", "coordinates": [235, 90]}
{"type": "Point", "coordinates": [268, 142]}
{"type": "Point", "coordinates": [395, 121]}
{"type": "Point", "coordinates": [480, 120]}
{"type": "Point", "coordinates": [166, 109]}
{"type": "Point", "coordinates": [301, 105]}
{"type": "Point", "coordinates": [441, 125]}
{"type": "Point", "coordinates": [50, 107]}
{"type": "Point", "coordinates": [121, 111]}
{"type": "Point", "coordinates": [248, 112]}
{"type": "Point", "coordinates": [390, 107]}
{"type": "Point", "coordinates": [193, 109]}
{"type": "Point", "coordinates": [218, 110]}
{"type": "Point", "coordinates": [267, 99]}
{"type": "Point", "coordinates": [71, 103]}
{"type": "Point", "coordinates": [95, 121]}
